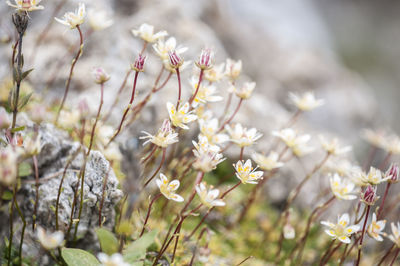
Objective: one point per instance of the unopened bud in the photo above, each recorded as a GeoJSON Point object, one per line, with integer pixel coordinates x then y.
{"type": "Point", "coordinates": [139, 63]}
{"type": "Point", "coordinates": [393, 173]}
{"type": "Point", "coordinates": [175, 60]}
{"type": "Point", "coordinates": [100, 75]}
{"type": "Point", "coordinates": [205, 60]}
{"type": "Point", "coordinates": [369, 196]}
{"type": "Point", "coordinates": [20, 21]}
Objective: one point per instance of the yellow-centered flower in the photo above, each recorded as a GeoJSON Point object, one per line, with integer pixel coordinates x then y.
{"type": "Point", "coordinates": [305, 102]}
{"type": "Point", "coordinates": [181, 117]}
{"type": "Point", "coordinates": [168, 188]}
{"type": "Point", "coordinates": [209, 197]}
{"type": "Point", "coordinates": [375, 228]}
{"type": "Point", "coordinates": [341, 231]}
{"type": "Point", "coordinates": [246, 173]}
{"type": "Point", "coordinates": [146, 33]}
{"type": "Point", "coordinates": [269, 162]}
{"type": "Point", "coordinates": [73, 19]}
{"type": "Point", "coordinates": [342, 188]}
{"type": "Point", "coordinates": [26, 5]}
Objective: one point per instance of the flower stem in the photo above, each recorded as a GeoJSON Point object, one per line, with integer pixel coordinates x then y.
{"type": "Point", "coordinates": [321, 262]}
{"type": "Point", "coordinates": [362, 236]}
{"type": "Point", "coordinates": [178, 75]}
{"type": "Point", "coordinates": [395, 256]}
{"type": "Point", "coordinates": [97, 118]}
{"type": "Point", "coordinates": [23, 226]}
{"type": "Point", "coordinates": [241, 153]}
{"type": "Point", "coordinates": [148, 213]}
{"type": "Point", "coordinates": [67, 85]}
{"type": "Point", "coordinates": [232, 116]}
{"type": "Point", "coordinates": [380, 209]}
{"type": "Point", "coordinates": [331, 253]}
{"type": "Point", "coordinates": [197, 87]}
{"type": "Point", "coordinates": [386, 255]}
{"type": "Point", "coordinates": [18, 82]}
{"type": "Point", "coordinates": [158, 169]}
{"type": "Point", "coordinates": [126, 110]}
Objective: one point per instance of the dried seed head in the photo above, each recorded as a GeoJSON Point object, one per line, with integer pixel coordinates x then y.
{"type": "Point", "coordinates": [139, 63]}
{"type": "Point", "coordinates": [393, 173]}
{"type": "Point", "coordinates": [20, 21]}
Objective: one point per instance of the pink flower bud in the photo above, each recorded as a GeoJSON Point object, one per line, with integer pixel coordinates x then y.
{"type": "Point", "coordinates": [174, 59]}
{"type": "Point", "coordinates": [369, 196]}
{"type": "Point", "coordinates": [139, 63]}
{"type": "Point", "coordinates": [205, 60]}
{"type": "Point", "coordinates": [100, 75]}
{"type": "Point", "coordinates": [166, 126]}
{"type": "Point", "coordinates": [393, 173]}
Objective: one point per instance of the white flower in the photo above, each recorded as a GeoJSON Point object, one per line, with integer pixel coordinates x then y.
{"type": "Point", "coordinates": [32, 146]}
{"type": "Point", "coordinates": [332, 147]}
{"type": "Point", "coordinates": [100, 75]}
{"type": "Point", "coordinates": [8, 166]}
{"type": "Point", "coordinates": [215, 74]}
{"type": "Point", "coordinates": [170, 68]}
{"type": "Point", "coordinates": [168, 188]}
{"type": "Point", "coordinates": [342, 188]}
{"type": "Point", "coordinates": [298, 144]}
{"type": "Point", "coordinates": [341, 231]}
{"type": "Point", "coordinates": [50, 240]}
{"type": "Point", "coordinates": [375, 228]}
{"type": "Point", "coordinates": [289, 232]}
{"type": "Point", "coordinates": [146, 33]}
{"type": "Point", "coordinates": [246, 173]}
{"type": "Point", "coordinates": [242, 136]}
{"type": "Point", "coordinates": [395, 236]}
{"type": "Point", "coordinates": [181, 117]}
{"type": "Point", "coordinates": [306, 102]}
{"type": "Point", "coordinates": [269, 162]}
{"type": "Point", "coordinates": [69, 119]}
{"type": "Point", "coordinates": [375, 138]}
{"type": "Point", "coordinates": [26, 5]}
{"type": "Point", "coordinates": [209, 129]}
{"type": "Point", "coordinates": [115, 259]}
{"type": "Point", "coordinates": [165, 136]}
{"type": "Point", "coordinates": [392, 144]}
{"type": "Point", "coordinates": [374, 176]}
{"type": "Point", "coordinates": [72, 19]}
{"type": "Point", "coordinates": [162, 48]}
{"type": "Point", "coordinates": [207, 155]}
{"type": "Point", "coordinates": [340, 166]}
{"type": "Point", "coordinates": [246, 90]}
{"type": "Point", "coordinates": [233, 68]}
{"type": "Point", "coordinates": [99, 20]}
{"type": "Point", "coordinates": [209, 198]}
{"type": "Point", "coordinates": [205, 94]}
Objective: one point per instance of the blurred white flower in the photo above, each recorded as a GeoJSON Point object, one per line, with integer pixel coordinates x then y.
{"type": "Point", "coordinates": [332, 147]}
{"type": "Point", "coordinates": [269, 162]}
{"type": "Point", "coordinates": [392, 144]}
{"type": "Point", "coordinates": [395, 236]}
{"type": "Point", "coordinates": [298, 144]}
{"type": "Point", "coordinates": [233, 69]}
{"type": "Point", "coordinates": [168, 188]}
{"type": "Point", "coordinates": [342, 188]}
{"type": "Point", "coordinates": [206, 93]}
{"type": "Point", "coordinates": [207, 155]}
{"type": "Point", "coordinates": [50, 240]}
{"type": "Point", "coordinates": [245, 91]}
{"type": "Point", "coordinates": [99, 19]}
{"type": "Point", "coordinates": [115, 259]}
{"type": "Point", "coordinates": [374, 177]}
{"type": "Point", "coordinates": [341, 231]}
{"type": "Point", "coordinates": [26, 5]}
{"type": "Point", "coordinates": [289, 232]}
{"type": "Point", "coordinates": [72, 19]}
{"type": "Point", "coordinates": [242, 136]}
{"type": "Point", "coordinates": [209, 197]}
{"type": "Point", "coordinates": [146, 33]}
{"type": "Point", "coordinates": [181, 117]}
{"type": "Point", "coordinates": [164, 137]}
{"type": "Point", "coordinates": [209, 128]}
{"type": "Point", "coordinates": [375, 228]}
{"type": "Point", "coordinates": [375, 138]}
{"type": "Point", "coordinates": [8, 165]}
{"type": "Point", "coordinates": [305, 102]}
{"type": "Point", "coordinates": [32, 145]}
{"type": "Point", "coordinates": [162, 48]}
{"type": "Point", "coordinates": [215, 74]}
{"type": "Point", "coordinates": [246, 173]}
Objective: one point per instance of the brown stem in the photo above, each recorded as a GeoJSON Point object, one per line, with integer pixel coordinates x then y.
{"type": "Point", "coordinates": [158, 169]}
{"type": "Point", "coordinates": [97, 119]}
{"type": "Point", "coordinates": [126, 110]}
{"type": "Point", "coordinates": [178, 75]}
{"type": "Point", "coordinates": [386, 255]}
{"type": "Point", "coordinates": [328, 250]}
{"type": "Point", "coordinates": [35, 166]}
{"type": "Point", "coordinates": [197, 87]}
{"type": "Point", "coordinates": [246, 259]}
{"type": "Point", "coordinates": [144, 160]}
{"type": "Point", "coordinates": [362, 236]}
{"type": "Point", "coordinates": [395, 256]}
{"type": "Point", "coordinates": [18, 82]}
{"type": "Point", "coordinates": [70, 74]}
{"type": "Point", "coordinates": [148, 213]}
{"type": "Point", "coordinates": [331, 253]}
{"type": "Point", "coordinates": [383, 201]}
{"type": "Point", "coordinates": [232, 116]}
{"type": "Point", "coordinates": [342, 258]}
{"type": "Point", "coordinates": [241, 153]}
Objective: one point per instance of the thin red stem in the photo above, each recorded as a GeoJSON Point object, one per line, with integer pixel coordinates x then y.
{"type": "Point", "coordinates": [383, 201]}
{"type": "Point", "coordinates": [158, 169]}
{"type": "Point", "coordinates": [148, 213]}
{"type": "Point", "coordinates": [232, 116]}
{"type": "Point", "coordinates": [362, 236]}
{"type": "Point", "coordinates": [197, 87]}
{"type": "Point", "coordinates": [395, 256]}
{"type": "Point", "coordinates": [180, 88]}
{"type": "Point", "coordinates": [97, 118]}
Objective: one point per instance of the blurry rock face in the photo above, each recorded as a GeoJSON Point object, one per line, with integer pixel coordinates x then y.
{"type": "Point", "coordinates": [56, 151]}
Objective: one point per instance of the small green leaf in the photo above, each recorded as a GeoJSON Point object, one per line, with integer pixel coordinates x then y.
{"type": "Point", "coordinates": [24, 100]}
{"type": "Point", "coordinates": [26, 73]}
{"type": "Point", "coordinates": [78, 257]}
{"type": "Point", "coordinates": [108, 242]}
{"type": "Point", "coordinates": [24, 169]}
{"type": "Point", "coordinates": [136, 250]}
{"type": "Point", "coordinates": [17, 129]}
{"type": "Point", "coordinates": [7, 195]}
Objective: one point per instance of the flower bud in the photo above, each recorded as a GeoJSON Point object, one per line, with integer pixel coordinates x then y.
{"type": "Point", "coordinates": [393, 173]}
{"type": "Point", "coordinates": [205, 60]}
{"type": "Point", "coordinates": [175, 60]}
{"type": "Point", "coordinates": [139, 63]}
{"type": "Point", "coordinates": [100, 75]}
{"type": "Point", "coordinates": [289, 232]}
{"type": "Point", "coordinates": [20, 21]}
{"type": "Point", "coordinates": [369, 196]}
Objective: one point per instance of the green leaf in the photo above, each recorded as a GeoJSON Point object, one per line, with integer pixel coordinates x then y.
{"type": "Point", "coordinates": [108, 242]}
{"type": "Point", "coordinates": [24, 100]}
{"type": "Point", "coordinates": [17, 129]}
{"type": "Point", "coordinates": [136, 250]}
{"type": "Point", "coordinates": [7, 195]}
{"type": "Point", "coordinates": [78, 257]}
{"type": "Point", "coordinates": [24, 169]}
{"type": "Point", "coordinates": [26, 73]}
